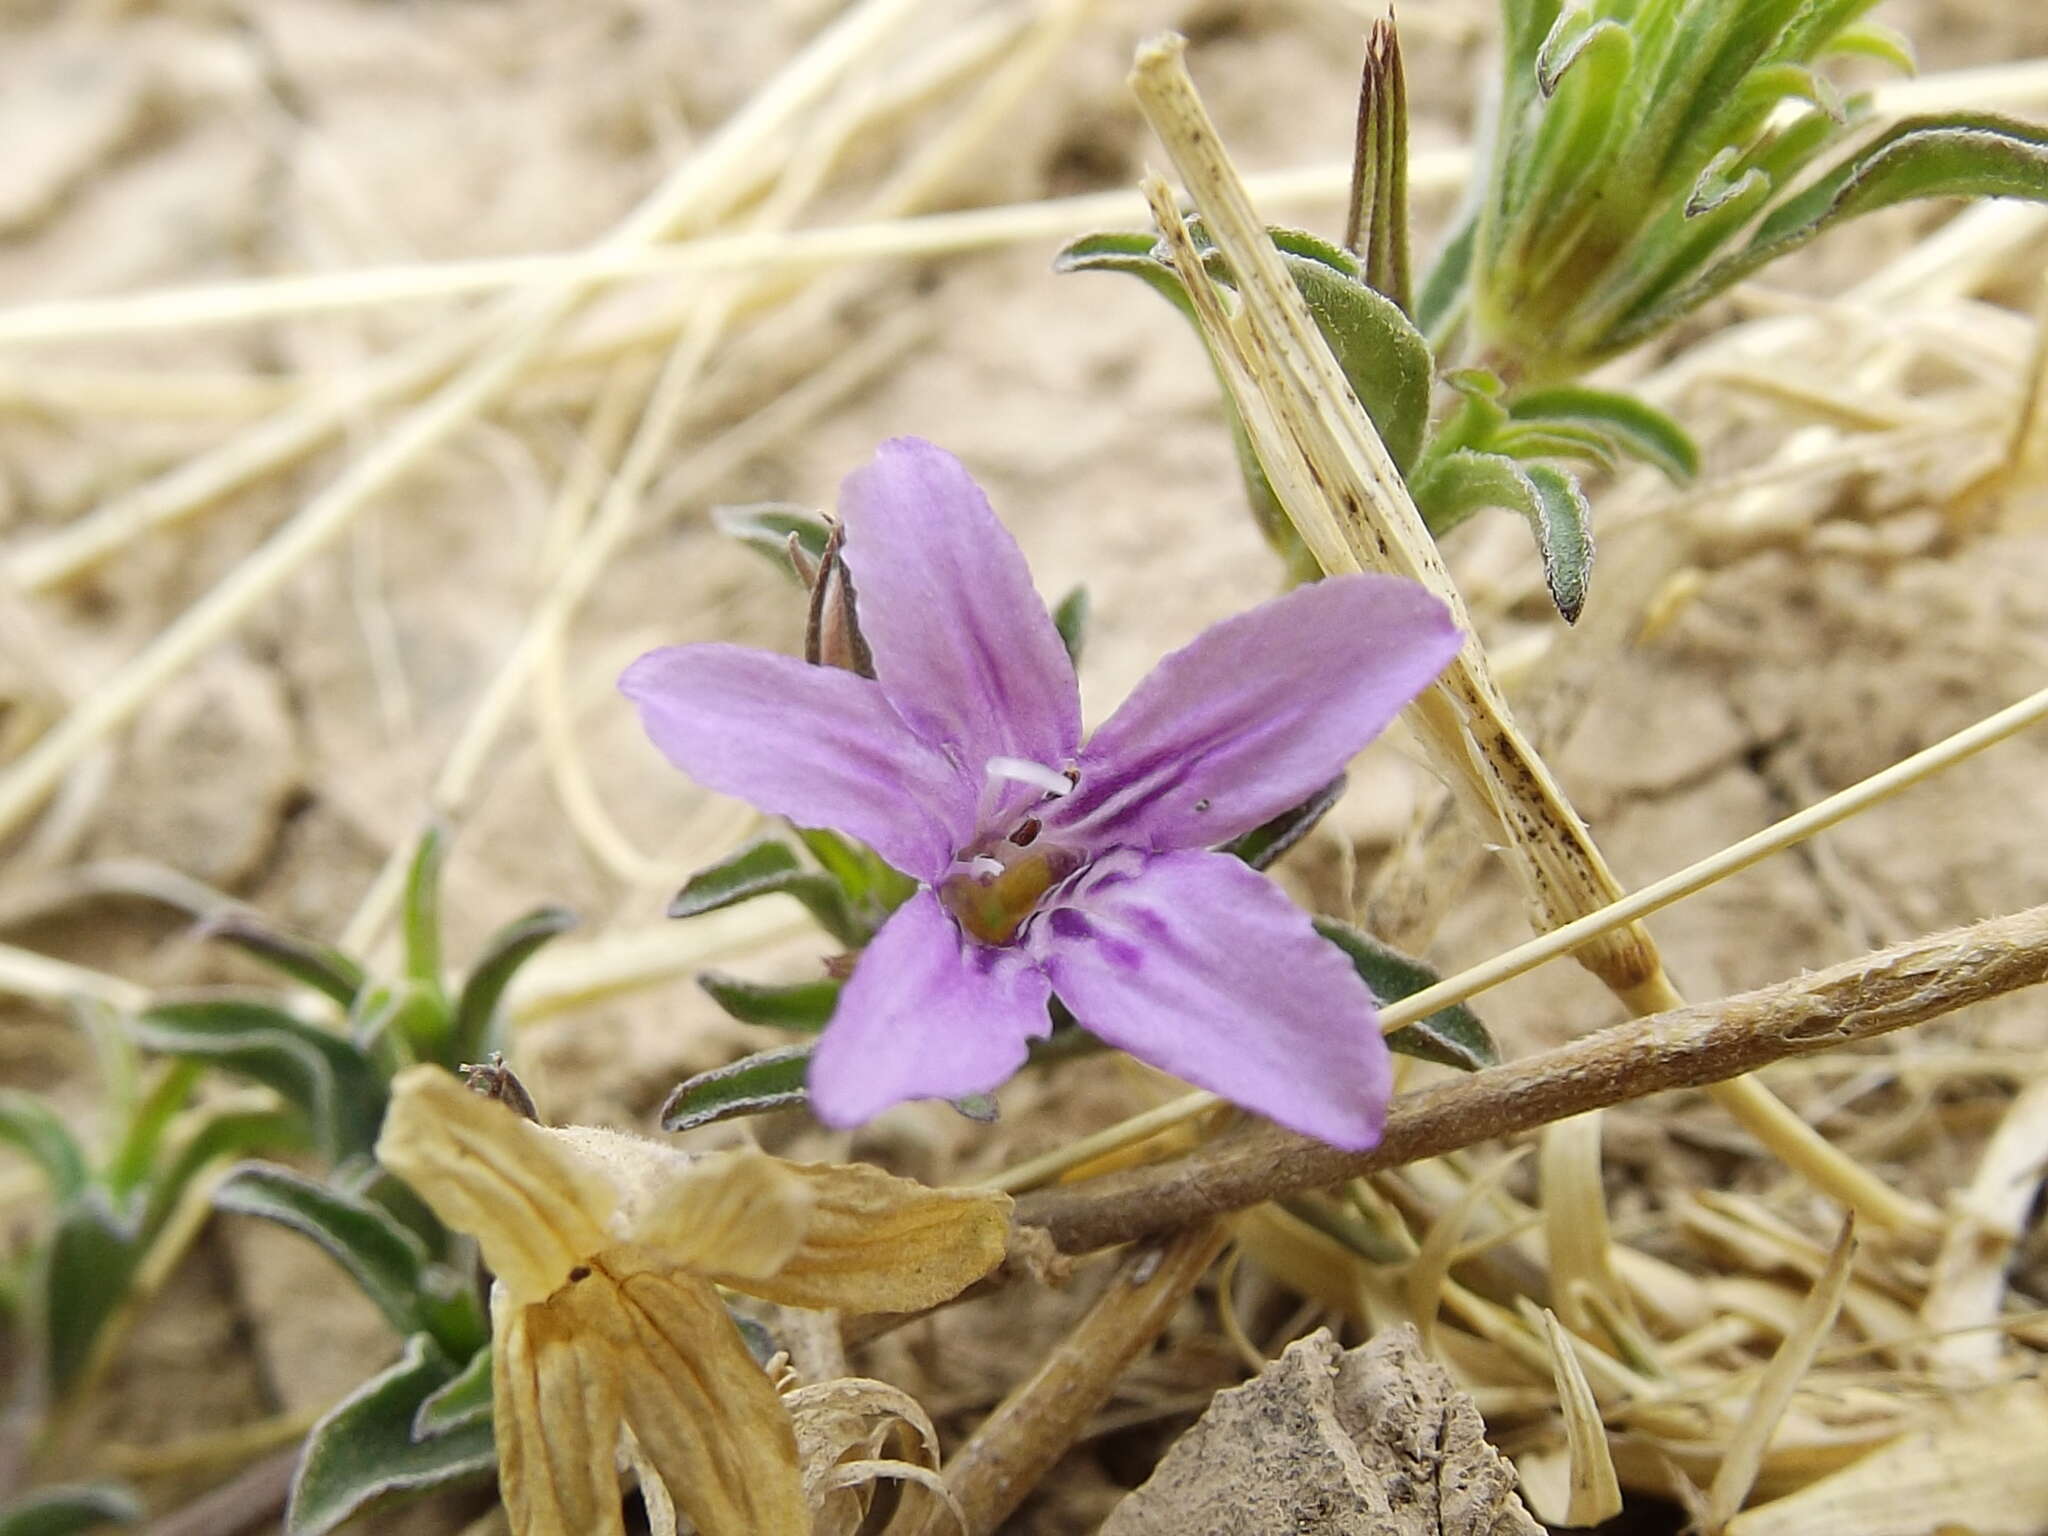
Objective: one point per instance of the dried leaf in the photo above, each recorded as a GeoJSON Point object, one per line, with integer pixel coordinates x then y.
{"type": "Point", "coordinates": [1594, 1493]}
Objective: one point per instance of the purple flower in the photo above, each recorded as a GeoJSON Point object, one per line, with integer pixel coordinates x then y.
{"type": "Point", "coordinates": [1049, 865]}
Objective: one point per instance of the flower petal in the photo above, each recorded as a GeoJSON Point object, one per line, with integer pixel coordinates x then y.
{"type": "Point", "coordinates": [739, 1214]}
{"type": "Point", "coordinates": [929, 1014]}
{"type": "Point", "coordinates": [816, 744]}
{"type": "Point", "coordinates": [707, 1418]}
{"type": "Point", "coordinates": [556, 1416]}
{"type": "Point", "coordinates": [877, 1243]}
{"type": "Point", "coordinates": [1256, 714]}
{"type": "Point", "coordinates": [535, 1210]}
{"type": "Point", "coordinates": [1200, 966]}
{"type": "Point", "coordinates": [962, 642]}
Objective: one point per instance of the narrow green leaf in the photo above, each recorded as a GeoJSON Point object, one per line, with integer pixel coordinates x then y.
{"type": "Point", "coordinates": [84, 1277]}
{"type": "Point", "coordinates": [1264, 844]}
{"type": "Point", "coordinates": [1457, 484]}
{"type": "Point", "coordinates": [421, 923]}
{"type": "Point", "coordinates": [325, 1076]}
{"type": "Point", "coordinates": [465, 1399]}
{"type": "Point", "coordinates": [751, 1086]}
{"type": "Point", "coordinates": [1554, 439]}
{"type": "Point", "coordinates": [504, 953]}
{"type": "Point", "coordinates": [142, 1140]}
{"type": "Point", "coordinates": [800, 1005]}
{"type": "Point", "coordinates": [1951, 155]}
{"type": "Point", "coordinates": [218, 1136]}
{"type": "Point", "coordinates": [765, 868]}
{"type": "Point", "coordinates": [387, 1263]}
{"type": "Point", "coordinates": [69, 1510]}
{"type": "Point", "coordinates": [364, 1449]}
{"type": "Point", "coordinates": [767, 527]}
{"type": "Point", "coordinates": [1639, 429]}
{"type": "Point", "coordinates": [1445, 295]}
{"type": "Point", "coordinates": [1070, 618]}
{"type": "Point", "coordinates": [34, 1129]}
{"type": "Point", "coordinates": [323, 968]}
{"type": "Point", "coordinates": [1875, 40]}
{"type": "Point", "coordinates": [874, 888]}
{"type": "Point", "coordinates": [1452, 1037]}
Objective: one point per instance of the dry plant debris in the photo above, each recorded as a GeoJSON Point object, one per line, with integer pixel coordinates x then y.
{"type": "Point", "coordinates": [1374, 1440]}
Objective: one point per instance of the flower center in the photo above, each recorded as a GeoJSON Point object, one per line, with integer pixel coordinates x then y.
{"type": "Point", "coordinates": [995, 885]}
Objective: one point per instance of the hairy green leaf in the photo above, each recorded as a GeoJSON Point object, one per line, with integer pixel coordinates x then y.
{"type": "Point", "coordinates": [323, 968]}
{"type": "Point", "coordinates": [1264, 844]}
{"type": "Point", "coordinates": [325, 1076]}
{"type": "Point", "coordinates": [768, 526]}
{"type": "Point", "coordinates": [476, 1009]}
{"type": "Point", "coordinates": [765, 868]}
{"type": "Point", "coordinates": [31, 1127]}
{"type": "Point", "coordinates": [1639, 429]}
{"type": "Point", "coordinates": [1452, 1037]}
{"type": "Point", "coordinates": [874, 888]}
{"type": "Point", "coordinates": [69, 1510]}
{"type": "Point", "coordinates": [751, 1086]}
{"type": "Point", "coordinates": [465, 1399]}
{"type": "Point", "coordinates": [799, 1005]}
{"type": "Point", "coordinates": [421, 919]}
{"type": "Point", "coordinates": [1455, 485]}
{"type": "Point", "coordinates": [85, 1273]}
{"type": "Point", "coordinates": [364, 1449]}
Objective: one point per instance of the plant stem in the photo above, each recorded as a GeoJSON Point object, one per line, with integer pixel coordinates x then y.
{"type": "Point", "coordinates": [1044, 1415]}
{"type": "Point", "coordinates": [1689, 1047]}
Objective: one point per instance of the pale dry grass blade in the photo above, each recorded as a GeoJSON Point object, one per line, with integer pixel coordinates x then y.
{"type": "Point", "coordinates": [1976, 1467]}
{"type": "Point", "coordinates": [42, 979]}
{"type": "Point", "coordinates": [1430, 1270]}
{"type": "Point", "coordinates": [1594, 1492]}
{"type": "Point", "coordinates": [1737, 1473]}
{"type": "Point", "coordinates": [1575, 1230]}
{"type": "Point", "coordinates": [1966, 1291]}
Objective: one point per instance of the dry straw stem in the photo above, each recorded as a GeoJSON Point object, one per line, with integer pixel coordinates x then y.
{"type": "Point", "coordinates": [1332, 474]}
{"type": "Point", "coordinates": [1688, 1047]}
{"type": "Point", "coordinates": [705, 181]}
{"type": "Point", "coordinates": [1034, 1426]}
{"type": "Point", "coordinates": [1594, 1491]}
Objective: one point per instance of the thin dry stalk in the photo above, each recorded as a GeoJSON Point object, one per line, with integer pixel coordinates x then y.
{"type": "Point", "coordinates": [1689, 1047]}
{"type": "Point", "coordinates": [1033, 1427]}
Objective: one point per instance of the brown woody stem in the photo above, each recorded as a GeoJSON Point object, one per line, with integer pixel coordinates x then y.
{"type": "Point", "coordinates": [1689, 1047]}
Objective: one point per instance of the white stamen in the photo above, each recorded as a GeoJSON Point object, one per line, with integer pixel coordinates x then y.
{"type": "Point", "coordinates": [981, 864]}
{"type": "Point", "coordinates": [1024, 771]}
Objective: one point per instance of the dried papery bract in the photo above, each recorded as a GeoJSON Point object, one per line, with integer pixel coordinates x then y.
{"type": "Point", "coordinates": [608, 1250]}
{"type": "Point", "coordinates": [1334, 478]}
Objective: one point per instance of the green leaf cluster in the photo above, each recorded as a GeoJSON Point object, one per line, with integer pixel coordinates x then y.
{"type": "Point", "coordinates": [1648, 153]}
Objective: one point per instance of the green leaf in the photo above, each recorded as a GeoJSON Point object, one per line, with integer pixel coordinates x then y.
{"type": "Point", "coordinates": [386, 1261]}
{"type": "Point", "coordinates": [325, 1076]}
{"type": "Point", "coordinates": [504, 953]}
{"type": "Point", "coordinates": [84, 1278]}
{"type": "Point", "coordinates": [765, 868]}
{"type": "Point", "coordinates": [1455, 485]}
{"type": "Point", "coordinates": [873, 887]}
{"type": "Point", "coordinates": [69, 1510]}
{"type": "Point", "coordinates": [319, 966]}
{"type": "Point", "coordinates": [1639, 429]}
{"type": "Point", "coordinates": [364, 1449]}
{"type": "Point", "coordinates": [142, 1140]}
{"type": "Point", "coordinates": [978, 1107]}
{"type": "Point", "coordinates": [800, 1005]}
{"type": "Point", "coordinates": [1264, 844]}
{"type": "Point", "coordinates": [752, 1085]}
{"type": "Point", "coordinates": [767, 526]}
{"type": "Point", "coordinates": [1445, 291]}
{"type": "Point", "coordinates": [219, 1135]}
{"type": "Point", "coordinates": [1875, 40]}
{"type": "Point", "coordinates": [463, 1401]}
{"type": "Point", "coordinates": [1951, 155]}
{"type": "Point", "coordinates": [1451, 1037]}
{"type": "Point", "coordinates": [1070, 618]}
{"type": "Point", "coordinates": [421, 920]}
{"type": "Point", "coordinates": [34, 1129]}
